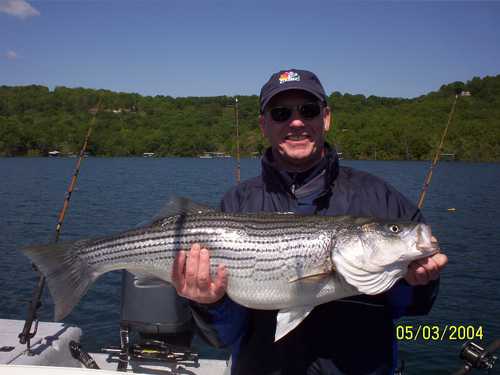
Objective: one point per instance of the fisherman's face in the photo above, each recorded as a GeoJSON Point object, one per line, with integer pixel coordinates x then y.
{"type": "Point", "coordinates": [298, 141]}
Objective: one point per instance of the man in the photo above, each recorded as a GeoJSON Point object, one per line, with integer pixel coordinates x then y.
{"type": "Point", "coordinates": [300, 173]}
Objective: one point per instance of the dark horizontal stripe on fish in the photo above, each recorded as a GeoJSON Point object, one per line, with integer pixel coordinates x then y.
{"type": "Point", "coordinates": [166, 256]}
{"type": "Point", "coordinates": [248, 221]}
{"type": "Point", "coordinates": [215, 255]}
{"type": "Point", "coordinates": [187, 238]}
{"type": "Point", "coordinates": [256, 218]}
{"type": "Point", "coordinates": [255, 266]}
{"type": "Point", "coordinates": [264, 229]}
{"type": "Point", "coordinates": [215, 245]}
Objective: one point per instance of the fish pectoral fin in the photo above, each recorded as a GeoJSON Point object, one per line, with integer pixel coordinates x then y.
{"type": "Point", "coordinates": [313, 276]}
{"type": "Point", "coordinates": [289, 319]}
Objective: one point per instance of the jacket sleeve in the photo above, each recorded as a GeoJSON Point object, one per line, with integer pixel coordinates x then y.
{"type": "Point", "coordinates": [220, 324]}
{"type": "Point", "coordinates": [405, 299]}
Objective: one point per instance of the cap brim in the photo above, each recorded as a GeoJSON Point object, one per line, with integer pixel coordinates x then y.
{"type": "Point", "coordinates": [287, 88]}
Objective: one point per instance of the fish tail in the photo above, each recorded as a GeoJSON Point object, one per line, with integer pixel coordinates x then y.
{"type": "Point", "coordinates": [68, 276]}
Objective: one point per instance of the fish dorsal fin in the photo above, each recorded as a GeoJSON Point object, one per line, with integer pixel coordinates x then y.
{"type": "Point", "coordinates": [180, 206]}
{"type": "Point", "coordinates": [288, 319]}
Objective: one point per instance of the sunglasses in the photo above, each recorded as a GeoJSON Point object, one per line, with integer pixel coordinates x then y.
{"type": "Point", "coordinates": [306, 111]}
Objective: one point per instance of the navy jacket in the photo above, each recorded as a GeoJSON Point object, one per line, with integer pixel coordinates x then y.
{"type": "Point", "coordinates": [351, 336]}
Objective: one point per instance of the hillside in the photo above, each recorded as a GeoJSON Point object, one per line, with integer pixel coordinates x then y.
{"type": "Point", "coordinates": [35, 120]}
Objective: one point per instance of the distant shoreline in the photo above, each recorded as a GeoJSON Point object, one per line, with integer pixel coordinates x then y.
{"type": "Point", "coordinates": [233, 158]}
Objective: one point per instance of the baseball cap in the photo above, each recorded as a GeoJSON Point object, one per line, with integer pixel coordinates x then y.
{"type": "Point", "coordinates": [291, 79]}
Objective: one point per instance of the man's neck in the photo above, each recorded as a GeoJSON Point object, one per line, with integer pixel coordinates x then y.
{"type": "Point", "coordinates": [291, 166]}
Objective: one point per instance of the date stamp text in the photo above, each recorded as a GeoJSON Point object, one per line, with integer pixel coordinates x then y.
{"type": "Point", "coordinates": [435, 332]}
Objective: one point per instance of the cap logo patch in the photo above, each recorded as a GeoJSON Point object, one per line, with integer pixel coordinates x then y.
{"type": "Point", "coordinates": [289, 77]}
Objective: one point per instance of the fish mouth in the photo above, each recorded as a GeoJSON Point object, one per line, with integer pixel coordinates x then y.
{"type": "Point", "coordinates": [426, 243]}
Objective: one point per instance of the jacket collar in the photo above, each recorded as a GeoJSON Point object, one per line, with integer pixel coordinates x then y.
{"type": "Point", "coordinates": [275, 178]}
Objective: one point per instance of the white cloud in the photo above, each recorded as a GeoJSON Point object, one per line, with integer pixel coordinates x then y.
{"type": "Point", "coordinates": [18, 8]}
{"type": "Point", "coordinates": [11, 55]}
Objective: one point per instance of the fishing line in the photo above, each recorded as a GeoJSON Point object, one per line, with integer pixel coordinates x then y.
{"type": "Point", "coordinates": [26, 335]}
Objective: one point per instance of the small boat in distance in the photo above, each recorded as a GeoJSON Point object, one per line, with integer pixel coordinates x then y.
{"type": "Point", "coordinates": [212, 155]}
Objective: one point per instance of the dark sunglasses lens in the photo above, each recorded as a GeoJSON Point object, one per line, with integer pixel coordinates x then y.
{"type": "Point", "coordinates": [280, 114]}
{"type": "Point", "coordinates": [309, 110]}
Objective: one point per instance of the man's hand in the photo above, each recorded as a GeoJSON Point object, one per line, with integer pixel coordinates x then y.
{"type": "Point", "coordinates": [191, 276]}
{"type": "Point", "coordinates": [422, 271]}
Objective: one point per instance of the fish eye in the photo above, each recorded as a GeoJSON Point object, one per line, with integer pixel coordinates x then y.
{"type": "Point", "coordinates": [394, 228]}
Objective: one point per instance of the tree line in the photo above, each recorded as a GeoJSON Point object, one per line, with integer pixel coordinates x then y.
{"type": "Point", "coordinates": [35, 120]}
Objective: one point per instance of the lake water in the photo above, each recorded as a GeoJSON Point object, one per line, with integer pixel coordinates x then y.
{"type": "Point", "coordinates": [115, 194]}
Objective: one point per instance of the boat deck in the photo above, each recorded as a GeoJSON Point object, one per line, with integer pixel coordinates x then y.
{"type": "Point", "coordinates": [51, 355]}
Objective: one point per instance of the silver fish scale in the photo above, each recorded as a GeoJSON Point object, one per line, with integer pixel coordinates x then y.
{"type": "Point", "coordinates": [263, 253]}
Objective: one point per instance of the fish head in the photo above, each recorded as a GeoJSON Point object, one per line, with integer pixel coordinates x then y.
{"type": "Point", "coordinates": [376, 254]}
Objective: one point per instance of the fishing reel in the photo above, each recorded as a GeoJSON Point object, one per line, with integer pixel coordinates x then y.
{"type": "Point", "coordinates": [150, 350]}
{"type": "Point", "coordinates": [476, 357]}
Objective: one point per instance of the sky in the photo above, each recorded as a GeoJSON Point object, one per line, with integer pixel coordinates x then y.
{"type": "Point", "coordinates": [229, 47]}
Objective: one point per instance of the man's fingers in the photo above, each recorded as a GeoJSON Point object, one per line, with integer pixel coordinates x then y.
{"type": "Point", "coordinates": [416, 274]}
{"type": "Point", "coordinates": [192, 263]}
{"type": "Point", "coordinates": [178, 278]}
{"type": "Point", "coordinates": [421, 271]}
{"type": "Point", "coordinates": [438, 261]}
{"type": "Point", "coordinates": [191, 276]}
{"type": "Point", "coordinates": [204, 271]}
{"type": "Point", "coordinates": [441, 260]}
{"type": "Point", "coordinates": [434, 264]}
{"type": "Point", "coordinates": [219, 284]}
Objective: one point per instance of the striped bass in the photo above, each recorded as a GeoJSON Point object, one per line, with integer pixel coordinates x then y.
{"type": "Point", "coordinates": [285, 262]}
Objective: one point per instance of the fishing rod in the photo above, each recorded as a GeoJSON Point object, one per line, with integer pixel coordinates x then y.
{"type": "Point", "coordinates": [26, 335]}
{"type": "Point", "coordinates": [437, 155]}
{"type": "Point", "coordinates": [236, 115]}
{"type": "Point", "coordinates": [473, 355]}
